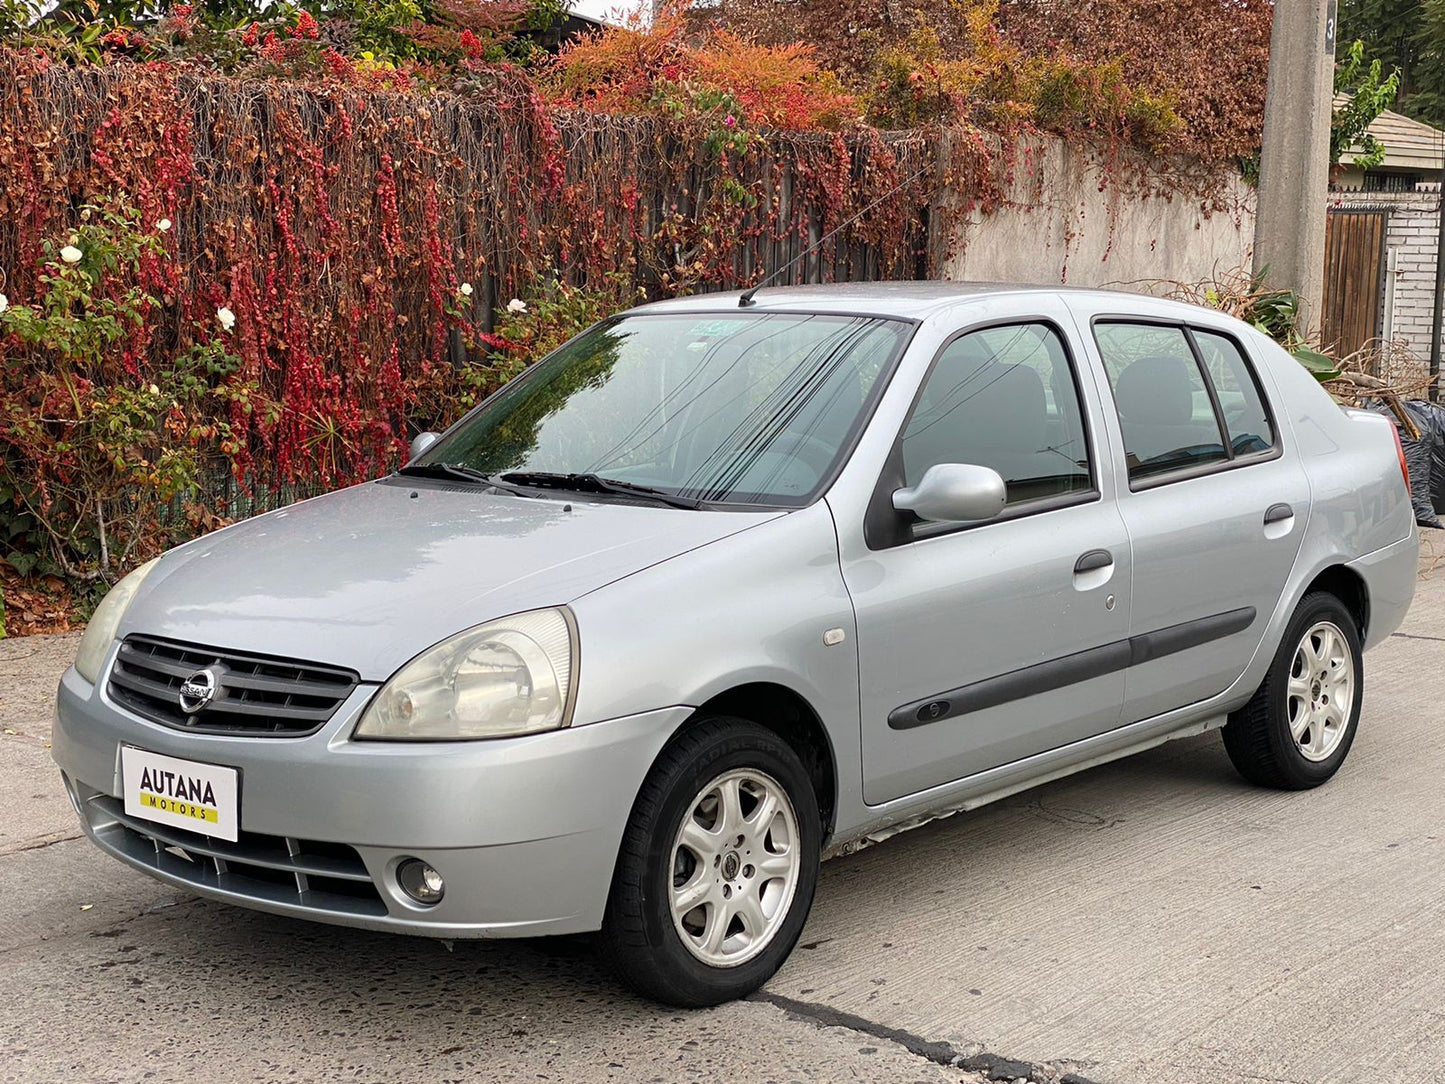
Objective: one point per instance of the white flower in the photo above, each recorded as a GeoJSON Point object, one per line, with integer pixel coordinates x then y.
{"type": "Point", "coordinates": [226, 318]}
{"type": "Point", "coordinates": [71, 254]}
{"type": "Point", "coordinates": [4, 304]}
{"type": "Point", "coordinates": [163, 225]}
{"type": "Point", "coordinates": [516, 305]}
{"type": "Point", "coordinates": [466, 289]}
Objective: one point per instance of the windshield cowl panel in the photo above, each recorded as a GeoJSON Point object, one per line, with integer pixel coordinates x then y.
{"type": "Point", "coordinates": [692, 410]}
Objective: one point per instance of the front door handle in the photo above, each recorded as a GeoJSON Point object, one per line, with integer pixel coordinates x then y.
{"type": "Point", "coordinates": [1092, 560]}
{"type": "Point", "coordinates": [1277, 512]}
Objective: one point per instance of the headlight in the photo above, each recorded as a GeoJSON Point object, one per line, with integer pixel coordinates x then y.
{"type": "Point", "coordinates": [510, 676]}
{"type": "Point", "coordinates": [101, 631]}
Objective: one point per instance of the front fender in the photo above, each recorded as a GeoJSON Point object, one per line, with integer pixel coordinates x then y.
{"type": "Point", "coordinates": [752, 607]}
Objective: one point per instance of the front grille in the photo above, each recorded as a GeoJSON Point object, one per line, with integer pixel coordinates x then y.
{"type": "Point", "coordinates": [254, 695]}
{"type": "Point", "coordinates": [273, 869]}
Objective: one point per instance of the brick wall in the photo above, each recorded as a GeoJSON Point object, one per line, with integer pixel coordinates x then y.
{"type": "Point", "coordinates": [1410, 239]}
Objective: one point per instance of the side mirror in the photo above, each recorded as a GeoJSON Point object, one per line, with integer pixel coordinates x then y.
{"type": "Point", "coordinates": [954, 493]}
{"type": "Point", "coordinates": [421, 442]}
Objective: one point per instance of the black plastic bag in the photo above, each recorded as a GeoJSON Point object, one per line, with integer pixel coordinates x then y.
{"type": "Point", "coordinates": [1431, 416]}
{"type": "Point", "coordinates": [1421, 456]}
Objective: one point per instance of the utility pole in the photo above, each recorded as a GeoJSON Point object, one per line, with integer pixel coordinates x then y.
{"type": "Point", "coordinates": [1294, 162]}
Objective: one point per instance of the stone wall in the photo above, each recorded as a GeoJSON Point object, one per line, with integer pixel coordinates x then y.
{"type": "Point", "coordinates": [1070, 217]}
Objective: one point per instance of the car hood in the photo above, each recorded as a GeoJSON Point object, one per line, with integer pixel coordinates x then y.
{"type": "Point", "coordinates": [369, 576]}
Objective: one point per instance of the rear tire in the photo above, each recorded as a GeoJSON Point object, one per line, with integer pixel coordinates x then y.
{"type": "Point", "coordinates": [717, 868]}
{"type": "Point", "coordinates": [1297, 729]}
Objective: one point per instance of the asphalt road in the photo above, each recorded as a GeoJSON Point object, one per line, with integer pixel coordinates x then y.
{"type": "Point", "coordinates": [1155, 920]}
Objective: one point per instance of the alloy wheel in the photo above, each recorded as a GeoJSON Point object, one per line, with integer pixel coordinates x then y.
{"type": "Point", "coordinates": [735, 866]}
{"type": "Point", "coordinates": [1321, 691]}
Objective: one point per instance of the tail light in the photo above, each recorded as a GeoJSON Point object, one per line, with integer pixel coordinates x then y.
{"type": "Point", "coordinates": [1400, 451]}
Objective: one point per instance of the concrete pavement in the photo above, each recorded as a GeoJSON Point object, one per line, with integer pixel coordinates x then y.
{"type": "Point", "coordinates": [1152, 920]}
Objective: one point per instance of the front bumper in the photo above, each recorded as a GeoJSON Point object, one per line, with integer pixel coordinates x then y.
{"type": "Point", "coordinates": [525, 831]}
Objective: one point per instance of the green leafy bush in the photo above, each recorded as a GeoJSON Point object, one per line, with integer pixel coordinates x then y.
{"type": "Point", "coordinates": [94, 449]}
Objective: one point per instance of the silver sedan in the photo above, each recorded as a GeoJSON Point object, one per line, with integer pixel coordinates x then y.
{"type": "Point", "coordinates": [727, 585]}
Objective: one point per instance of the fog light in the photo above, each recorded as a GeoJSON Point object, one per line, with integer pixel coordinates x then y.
{"type": "Point", "coordinates": [419, 881]}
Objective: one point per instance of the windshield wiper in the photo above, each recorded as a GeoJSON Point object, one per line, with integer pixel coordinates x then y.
{"type": "Point", "coordinates": [459, 471]}
{"type": "Point", "coordinates": [592, 483]}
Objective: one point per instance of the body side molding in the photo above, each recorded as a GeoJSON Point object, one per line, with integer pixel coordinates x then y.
{"type": "Point", "coordinates": [1053, 674]}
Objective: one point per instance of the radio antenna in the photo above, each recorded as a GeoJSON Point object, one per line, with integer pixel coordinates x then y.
{"type": "Point", "coordinates": [747, 296]}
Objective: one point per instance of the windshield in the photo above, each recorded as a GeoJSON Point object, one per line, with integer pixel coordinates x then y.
{"type": "Point", "coordinates": [738, 408]}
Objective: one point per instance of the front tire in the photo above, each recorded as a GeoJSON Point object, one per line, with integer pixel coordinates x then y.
{"type": "Point", "coordinates": [1297, 729]}
{"type": "Point", "coordinates": [717, 869]}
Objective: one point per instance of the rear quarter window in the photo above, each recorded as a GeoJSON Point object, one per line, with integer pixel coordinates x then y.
{"type": "Point", "coordinates": [1245, 417]}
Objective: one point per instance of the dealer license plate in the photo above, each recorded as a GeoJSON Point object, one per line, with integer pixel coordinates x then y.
{"type": "Point", "coordinates": [201, 798]}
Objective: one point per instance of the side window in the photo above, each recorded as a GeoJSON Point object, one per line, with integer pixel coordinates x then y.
{"type": "Point", "coordinates": [1245, 418]}
{"type": "Point", "coordinates": [1004, 398]}
{"type": "Point", "coordinates": [1164, 408]}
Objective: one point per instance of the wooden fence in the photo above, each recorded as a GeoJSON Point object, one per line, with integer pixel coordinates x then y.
{"type": "Point", "coordinates": [1354, 278]}
{"type": "Point", "coordinates": [338, 225]}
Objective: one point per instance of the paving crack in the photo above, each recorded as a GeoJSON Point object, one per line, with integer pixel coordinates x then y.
{"type": "Point", "coordinates": [1417, 636]}
{"type": "Point", "coordinates": [38, 842]}
{"type": "Point", "coordinates": [993, 1066]}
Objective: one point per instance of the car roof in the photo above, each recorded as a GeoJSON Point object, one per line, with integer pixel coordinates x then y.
{"type": "Point", "coordinates": [910, 299]}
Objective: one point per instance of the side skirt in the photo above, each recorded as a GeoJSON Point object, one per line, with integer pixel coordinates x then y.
{"type": "Point", "coordinates": [1009, 779]}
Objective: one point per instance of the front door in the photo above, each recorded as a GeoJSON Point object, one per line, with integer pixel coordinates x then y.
{"type": "Point", "coordinates": [980, 644]}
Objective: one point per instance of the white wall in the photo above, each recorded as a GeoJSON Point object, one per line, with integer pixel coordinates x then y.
{"type": "Point", "coordinates": [1066, 219]}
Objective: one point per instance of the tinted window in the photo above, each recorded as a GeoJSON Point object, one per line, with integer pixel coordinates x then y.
{"type": "Point", "coordinates": [1245, 418]}
{"type": "Point", "coordinates": [1165, 413]}
{"type": "Point", "coordinates": [1003, 398]}
{"type": "Point", "coordinates": [734, 407]}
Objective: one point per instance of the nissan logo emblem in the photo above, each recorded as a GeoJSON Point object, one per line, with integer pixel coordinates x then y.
{"type": "Point", "coordinates": [198, 690]}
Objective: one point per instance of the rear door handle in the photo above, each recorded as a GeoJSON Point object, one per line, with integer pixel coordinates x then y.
{"type": "Point", "coordinates": [1092, 560]}
{"type": "Point", "coordinates": [1277, 512]}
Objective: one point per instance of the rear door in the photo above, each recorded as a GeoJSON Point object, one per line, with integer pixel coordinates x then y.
{"type": "Point", "coordinates": [1214, 505]}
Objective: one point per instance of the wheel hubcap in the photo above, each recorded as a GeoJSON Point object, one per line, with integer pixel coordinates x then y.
{"type": "Point", "coordinates": [1321, 691]}
{"type": "Point", "coordinates": [735, 865]}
